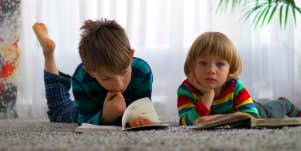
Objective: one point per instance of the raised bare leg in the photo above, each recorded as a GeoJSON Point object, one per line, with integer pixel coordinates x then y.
{"type": "Point", "coordinates": [48, 46]}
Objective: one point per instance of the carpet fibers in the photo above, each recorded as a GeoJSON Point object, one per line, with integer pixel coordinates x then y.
{"type": "Point", "coordinates": [42, 135]}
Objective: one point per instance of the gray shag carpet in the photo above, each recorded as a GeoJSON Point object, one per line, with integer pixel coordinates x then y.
{"type": "Point", "coordinates": [28, 135]}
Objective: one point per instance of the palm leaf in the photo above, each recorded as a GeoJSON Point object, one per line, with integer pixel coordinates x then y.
{"type": "Point", "coordinates": [286, 15]}
{"type": "Point", "coordinates": [299, 10]}
{"type": "Point", "coordinates": [257, 10]}
{"type": "Point", "coordinates": [268, 9]}
{"type": "Point", "coordinates": [263, 10]}
{"type": "Point", "coordinates": [259, 15]}
{"type": "Point", "coordinates": [280, 15]}
{"type": "Point", "coordinates": [223, 5]}
{"type": "Point", "coordinates": [250, 12]}
{"type": "Point", "coordinates": [272, 13]}
{"type": "Point", "coordinates": [219, 5]}
{"type": "Point", "coordinates": [293, 5]}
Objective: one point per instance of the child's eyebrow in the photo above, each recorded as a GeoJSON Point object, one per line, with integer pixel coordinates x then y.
{"type": "Point", "coordinates": [123, 71]}
{"type": "Point", "coordinates": [202, 58]}
{"type": "Point", "coordinates": [104, 75]}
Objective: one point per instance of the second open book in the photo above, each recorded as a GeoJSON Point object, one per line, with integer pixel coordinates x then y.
{"type": "Point", "coordinates": [141, 108]}
{"type": "Point", "coordinates": [242, 120]}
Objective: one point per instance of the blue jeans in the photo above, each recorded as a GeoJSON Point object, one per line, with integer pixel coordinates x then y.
{"type": "Point", "coordinates": [273, 109]}
{"type": "Point", "coordinates": [60, 107]}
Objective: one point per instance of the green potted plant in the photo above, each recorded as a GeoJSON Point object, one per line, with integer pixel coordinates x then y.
{"type": "Point", "coordinates": [263, 11]}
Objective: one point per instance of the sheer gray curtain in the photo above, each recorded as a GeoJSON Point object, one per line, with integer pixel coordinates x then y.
{"type": "Point", "coordinates": [161, 32]}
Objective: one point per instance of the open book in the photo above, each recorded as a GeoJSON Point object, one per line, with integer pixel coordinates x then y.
{"type": "Point", "coordinates": [242, 120]}
{"type": "Point", "coordinates": [141, 108]}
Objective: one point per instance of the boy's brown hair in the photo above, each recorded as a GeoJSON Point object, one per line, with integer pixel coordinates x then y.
{"type": "Point", "coordinates": [104, 46]}
{"type": "Point", "coordinates": [214, 44]}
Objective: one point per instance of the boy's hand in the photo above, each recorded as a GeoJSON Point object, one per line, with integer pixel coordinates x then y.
{"type": "Point", "coordinates": [200, 86]}
{"type": "Point", "coordinates": [140, 122]}
{"type": "Point", "coordinates": [206, 118]}
{"type": "Point", "coordinates": [208, 92]}
{"type": "Point", "coordinates": [208, 98]}
{"type": "Point", "coordinates": [113, 107]}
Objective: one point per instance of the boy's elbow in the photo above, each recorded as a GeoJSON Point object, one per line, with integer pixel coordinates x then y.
{"type": "Point", "coordinates": [184, 121]}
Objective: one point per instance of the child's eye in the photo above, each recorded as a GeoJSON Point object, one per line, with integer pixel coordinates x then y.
{"type": "Point", "coordinates": [220, 64]}
{"type": "Point", "coordinates": [203, 63]}
{"type": "Point", "coordinates": [106, 78]}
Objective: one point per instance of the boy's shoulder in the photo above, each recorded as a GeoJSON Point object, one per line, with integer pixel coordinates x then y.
{"type": "Point", "coordinates": [142, 75]}
{"type": "Point", "coordinates": [80, 74]}
{"type": "Point", "coordinates": [185, 87]}
{"type": "Point", "coordinates": [185, 84]}
{"type": "Point", "coordinates": [235, 85]}
{"type": "Point", "coordinates": [233, 82]}
{"type": "Point", "coordinates": [140, 66]}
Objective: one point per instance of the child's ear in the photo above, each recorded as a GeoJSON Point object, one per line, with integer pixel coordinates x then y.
{"type": "Point", "coordinates": [90, 72]}
{"type": "Point", "coordinates": [230, 74]}
{"type": "Point", "coordinates": [132, 53]}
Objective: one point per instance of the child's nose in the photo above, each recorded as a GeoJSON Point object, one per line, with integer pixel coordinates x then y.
{"type": "Point", "coordinates": [212, 69]}
{"type": "Point", "coordinates": [119, 85]}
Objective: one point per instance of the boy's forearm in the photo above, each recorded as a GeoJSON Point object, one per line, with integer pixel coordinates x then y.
{"type": "Point", "coordinates": [103, 121]}
{"type": "Point", "coordinates": [188, 111]}
{"type": "Point", "coordinates": [207, 101]}
{"type": "Point", "coordinates": [106, 119]}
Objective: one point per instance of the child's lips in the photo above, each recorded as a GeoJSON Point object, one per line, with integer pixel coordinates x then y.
{"type": "Point", "coordinates": [117, 91]}
{"type": "Point", "coordinates": [211, 80]}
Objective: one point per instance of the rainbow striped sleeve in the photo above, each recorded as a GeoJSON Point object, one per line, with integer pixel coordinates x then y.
{"type": "Point", "coordinates": [243, 102]}
{"type": "Point", "coordinates": [292, 109]}
{"type": "Point", "coordinates": [189, 108]}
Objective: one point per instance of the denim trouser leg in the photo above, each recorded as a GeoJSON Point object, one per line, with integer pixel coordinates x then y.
{"type": "Point", "coordinates": [60, 107]}
{"type": "Point", "coordinates": [273, 109]}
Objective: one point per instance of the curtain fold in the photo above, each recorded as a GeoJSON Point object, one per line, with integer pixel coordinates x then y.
{"type": "Point", "coordinates": [161, 32]}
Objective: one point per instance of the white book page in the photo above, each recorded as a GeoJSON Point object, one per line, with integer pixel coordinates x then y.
{"type": "Point", "coordinates": [91, 127]}
{"type": "Point", "coordinates": [141, 108]}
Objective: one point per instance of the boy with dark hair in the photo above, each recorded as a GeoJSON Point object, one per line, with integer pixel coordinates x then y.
{"type": "Point", "coordinates": [108, 79]}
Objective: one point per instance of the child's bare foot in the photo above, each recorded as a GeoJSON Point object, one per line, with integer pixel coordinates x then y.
{"type": "Point", "coordinates": [48, 47]}
{"type": "Point", "coordinates": [47, 44]}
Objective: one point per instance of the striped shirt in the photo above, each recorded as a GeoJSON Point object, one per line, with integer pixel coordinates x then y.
{"type": "Point", "coordinates": [90, 95]}
{"type": "Point", "coordinates": [234, 97]}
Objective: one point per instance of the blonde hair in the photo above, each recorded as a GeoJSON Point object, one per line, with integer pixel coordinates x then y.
{"type": "Point", "coordinates": [104, 46]}
{"type": "Point", "coordinates": [214, 44]}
